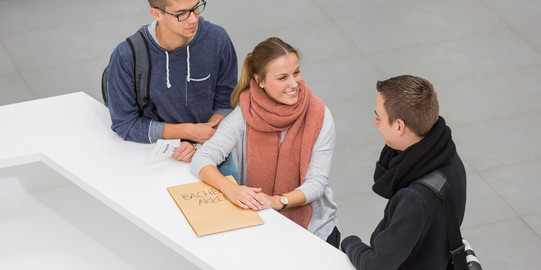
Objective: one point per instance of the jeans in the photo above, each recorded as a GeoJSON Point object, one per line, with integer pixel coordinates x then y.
{"type": "Point", "coordinates": [229, 167]}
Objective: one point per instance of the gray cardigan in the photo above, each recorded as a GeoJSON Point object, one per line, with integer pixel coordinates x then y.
{"type": "Point", "coordinates": [231, 134]}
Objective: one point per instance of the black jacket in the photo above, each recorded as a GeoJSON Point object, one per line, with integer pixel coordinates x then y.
{"type": "Point", "coordinates": [412, 233]}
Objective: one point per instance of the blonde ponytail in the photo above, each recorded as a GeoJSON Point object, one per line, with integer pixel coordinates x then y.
{"type": "Point", "coordinates": [244, 81]}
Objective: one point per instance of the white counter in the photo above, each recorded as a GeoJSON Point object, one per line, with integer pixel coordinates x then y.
{"type": "Point", "coordinates": [71, 135]}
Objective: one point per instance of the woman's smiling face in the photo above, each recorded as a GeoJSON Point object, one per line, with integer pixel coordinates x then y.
{"type": "Point", "coordinates": [282, 80]}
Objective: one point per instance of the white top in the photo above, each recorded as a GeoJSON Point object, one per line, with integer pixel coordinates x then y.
{"type": "Point", "coordinates": [72, 135]}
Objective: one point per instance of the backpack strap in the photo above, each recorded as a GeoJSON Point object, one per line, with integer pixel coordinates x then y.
{"type": "Point", "coordinates": [104, 78]}
{"type": "Point", "coordinates": [437, 183]}
{"type": "Point", "coordinates": [141, 75]}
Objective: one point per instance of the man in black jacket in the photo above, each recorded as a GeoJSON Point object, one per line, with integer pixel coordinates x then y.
{"type": "Point", "coordinates": [412, 233]}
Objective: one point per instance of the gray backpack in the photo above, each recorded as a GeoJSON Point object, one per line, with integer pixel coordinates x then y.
{"type": "Point", "coordinates": [142, 69]}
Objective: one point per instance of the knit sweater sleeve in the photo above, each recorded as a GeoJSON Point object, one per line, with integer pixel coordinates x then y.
{"type": "Point", "coordinates": [407, 218]}
{"type": "Point", "coordinates": [125, 118]}
{"type": "Point", "coordinates": [319, 169]}
{"type": "Point", "coordinates": [227, 75]}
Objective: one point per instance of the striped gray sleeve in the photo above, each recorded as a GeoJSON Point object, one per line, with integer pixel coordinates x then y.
{"type": "Point", "coordinates": [155, 131]}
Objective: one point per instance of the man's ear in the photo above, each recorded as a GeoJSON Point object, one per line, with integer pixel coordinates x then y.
{"type": "Point", "coordinates": [155, 13]}
{"type": "Point", "coordinates": [401, 126]}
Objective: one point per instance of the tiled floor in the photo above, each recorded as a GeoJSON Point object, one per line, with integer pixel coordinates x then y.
{"type": "Point", "coordinates": [483, 56]}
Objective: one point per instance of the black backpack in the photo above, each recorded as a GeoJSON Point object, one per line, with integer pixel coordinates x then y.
{"type": "Point", "coordinates": [142, 69]}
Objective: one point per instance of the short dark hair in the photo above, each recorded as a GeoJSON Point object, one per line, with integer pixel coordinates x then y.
{"type": "Point", "coordinates": [411, 99]}
{"type": "Point", "coordinates": [162, 4]}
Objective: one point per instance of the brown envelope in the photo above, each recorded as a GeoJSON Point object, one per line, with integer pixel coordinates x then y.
{"type": "Point", "coordinates": [209, 211]}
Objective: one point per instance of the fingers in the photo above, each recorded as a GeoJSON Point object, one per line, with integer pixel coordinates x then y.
{"type": "Point", "coordinates": [242, 205]}
{"type": "Point", "coordinates": [267, 203]}
{"type": "Point", "coordinates": [184, 152]}
{"type": "Point", "coordinates": [250, 203]}
{"type": "Point", "coordinates": [214, 123]}
{"type": "Point", "coordinates": [247, 198]}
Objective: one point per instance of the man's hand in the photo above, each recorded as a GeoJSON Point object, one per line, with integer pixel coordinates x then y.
{"type": "Point", "coordinates": [199, 133]}
{"type": "Point", "coordinates": [184, 152]}
{"type": "Point", "coordinates": [202, 132]}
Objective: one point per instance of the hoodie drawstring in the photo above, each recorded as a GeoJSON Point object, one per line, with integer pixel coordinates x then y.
{"type": "Point", "coordinates": [188, 77]}
{"type": "Point", "coordinates": [188, 63]}
{"type": "Point", "coordinates": [167, 68]}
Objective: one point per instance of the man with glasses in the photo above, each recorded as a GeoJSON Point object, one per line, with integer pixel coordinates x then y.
{"type": "Point", "coordinates": [193, 72]}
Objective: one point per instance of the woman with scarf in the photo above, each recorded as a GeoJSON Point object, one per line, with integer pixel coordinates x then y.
{"type": "Point", "coordinates": [283, 136]}
{"type": "Point", "coordinates": [412, 234]}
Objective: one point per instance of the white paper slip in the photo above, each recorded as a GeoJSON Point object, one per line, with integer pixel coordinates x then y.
{"type": "Point", "coordinates": [165, 147]}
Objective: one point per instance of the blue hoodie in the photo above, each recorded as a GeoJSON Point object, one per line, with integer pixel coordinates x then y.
{"type": "Point", "coordinates": [187, 85]}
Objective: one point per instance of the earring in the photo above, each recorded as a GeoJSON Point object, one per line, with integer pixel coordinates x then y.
{"type": "Point", "coordinates": [261, 86]}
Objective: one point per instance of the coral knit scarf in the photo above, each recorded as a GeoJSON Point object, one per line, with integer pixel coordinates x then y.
{"type": "Point", "coordinates": [280, 166]}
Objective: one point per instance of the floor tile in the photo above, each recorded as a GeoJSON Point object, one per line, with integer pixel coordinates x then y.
{"type": "Point", "coordinates": [534, 221]}
{"type": "Point", "coordinates": [81, 76]}
{"type": "Point", "coordinates": [498, 142]}
{"type": "Point", "coordinates": [353, 120]}
{"type": "Point", "coordinates": [258, 16]}
{"type": "Point", "coordinates": [13, 89]}
{"type": "Point", "coordinates": [359, 215]}
{"type": "Point", "coordinates": [509, 244]}
{"type": "Point", "coordinates": [15, 16]}
{"type": "Point", "coordinates": [342, 9]}
{"type": "Point", "coordinates": [352, 170]}
{"type": "Point", "coordinates": [245, 43]}
{"type": "Point", "coordinates": [52, 50]}
{"type": "Point", "coordinates": [516, 13]}
{"type": "Point", "coordinates": [518, 185]}
{"type": "Point", "coordinates": [532, 34]}
{"type": "Point", "coordinates": [307, 38]}
{"type": "Point", "coordinates": [295, 31]}
{"type": "Point", "coordinates": [483, 204]}
{"type": "Point", "coordinates": [64, 45]}
{"type": "Point", "coordinates": [31, 15]}
{"type": "Point", "coordinates": [320, 56]}
{"type": "Point", "coordinates": [344, 79]}
{"type": "Point", "coordinates": [6, 65]}
{"type": "Point", "coordinates": [415, 24]}
{"type": "Point", "coordinates": [458, 59]}
{"type": "Point", "coordinates": [490, 96]}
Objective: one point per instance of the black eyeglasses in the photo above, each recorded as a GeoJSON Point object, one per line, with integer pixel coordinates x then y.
{"type": "Point", "coordinates": [184, 15]}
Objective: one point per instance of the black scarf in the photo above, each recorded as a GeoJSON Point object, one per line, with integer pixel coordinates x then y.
{"type": "Point", "coordinates": [397, 169]}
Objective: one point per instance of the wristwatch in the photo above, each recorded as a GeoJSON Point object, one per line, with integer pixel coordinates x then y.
{"type": "Point", "coordinates": [283, 200]}
{"type": "Point", "coordinates": [196, 146]}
